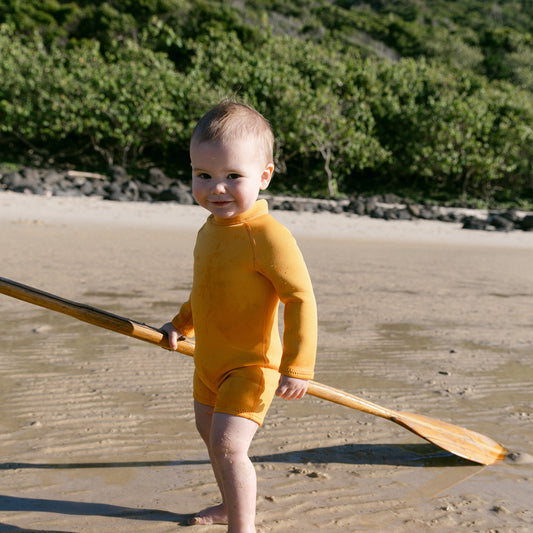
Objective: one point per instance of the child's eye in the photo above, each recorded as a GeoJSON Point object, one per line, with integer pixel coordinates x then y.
{"type": "Point", "coordinates": [204, 176]}
{"type": "Point", "coordinates": [233, 176]}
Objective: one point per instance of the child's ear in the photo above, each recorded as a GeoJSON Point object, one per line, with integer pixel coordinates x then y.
{"type": "Point", "coordinates": [266, 176]}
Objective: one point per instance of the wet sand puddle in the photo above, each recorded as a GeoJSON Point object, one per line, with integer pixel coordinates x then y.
{"type": "Point", "coordinates": [90, 405]}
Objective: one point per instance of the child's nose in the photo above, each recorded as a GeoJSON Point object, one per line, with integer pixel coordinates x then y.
{"type": "Point", "coordinates": [218, 187]}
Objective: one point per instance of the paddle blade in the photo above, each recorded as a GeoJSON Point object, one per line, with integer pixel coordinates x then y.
{"type": "Point", "coordinates": [457, 440]}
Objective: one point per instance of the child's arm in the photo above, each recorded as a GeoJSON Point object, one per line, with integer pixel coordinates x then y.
{"type": "Point", "coordinates": [291, 388]}
{"type": "Point", "coordinates": [280, 260]}
{"type": "Point", "coordinates": [172, 333]}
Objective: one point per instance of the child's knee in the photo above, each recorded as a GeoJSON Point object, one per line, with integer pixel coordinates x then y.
{"type": "Point", "coordinates": [223, 446]}
{"type": "Point", "coordinates": [231, 435]}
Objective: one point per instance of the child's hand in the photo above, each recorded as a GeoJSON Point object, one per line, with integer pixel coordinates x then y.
{"type": "Point", "coordinates": [291, 388]}
{"type": "Point", "coordinates": [172, 333]}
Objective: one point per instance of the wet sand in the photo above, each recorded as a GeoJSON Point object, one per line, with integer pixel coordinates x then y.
{"type": "Point", "coordinates": [97, 431]}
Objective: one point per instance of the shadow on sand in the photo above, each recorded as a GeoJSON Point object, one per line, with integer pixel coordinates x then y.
{"type": "Point", "coordinates": [417, 455]}
{"type": "Point", "coordinates": [411, 455]}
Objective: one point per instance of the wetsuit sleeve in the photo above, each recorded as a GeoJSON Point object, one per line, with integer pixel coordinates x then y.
{"type": "Point", "coordinates": [280, 260]}
{"type": "Point", "coordinates": [183, 320]}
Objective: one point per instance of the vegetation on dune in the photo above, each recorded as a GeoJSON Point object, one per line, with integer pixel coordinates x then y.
{"type": "Point", "coordinates": [428, 99]}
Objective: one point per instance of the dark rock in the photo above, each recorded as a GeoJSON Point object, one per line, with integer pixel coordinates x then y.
{"type": "Point", "coordinates": [414, 209]}
{"type": "Point", "coordinates": [78, 181]}
{"type": "Point", "coordinates": [12, 180]}
{"type": "Point", "coordinates": [87, 188]}
{"type": "Point", "coordinates": [391, 198]}
{"type": "Point", "coordinates": [390, 214]}
{"type": "Point", "coordinates": [377, 212]}
{"type": "Point", "coordinates": [31, 175]}
{"type": "Point", "coordinates": [118, 173]}
{"type": "Point", "coordinates": [51, 177]}
{"type": "Point", "coordinates": [404, 214]}
{"type": "Point", "coordinates": [371, 203]}
{"type": "Point", "coordinates": [35, 188]}
{"type": "Point", "coordinates": [526, 223]}
{"type": "Point", "coordinates": [27, 181]}
{"type": "Point", "coordinates": [336, 208]}
{"type": "Point", "coordinates": [67, 193]}
{"type": "Point", "coordinates": [309, 207]}
{"type": "Point", "coordinates": [148, 192]}
{"type": "Point", "coordinates": [455, 216]}
{"type": "Point", "coordinates": [157, 178]}
{"type": "Point", "coordinates": [65, 184]}
{"type": "Point", "coordinates": [427, 213]}
{"type": "Point", "coordinates": [502, 223]}
{"type": "Point", "coordinates": [28, 188]}
{"type": "Point", "coordinates": [446, 217]}
{"type": "Point", "coordinates": [286, 205]}
{"type": "Point", "coordinates": [300, 207]}
{"type": "Point", "coordinates": [99, 188]}
{"type": "Point", "coordinates": [356, 206]}
{"type": "Point", "coordinates": [131, 190]}
{"type": "Point", "coordinates": [474, 223]}
{"type": "Point", "coordinates": [113, 192]}
{"type": "Point", "coordinates": [512, 215]}
{"type": "Point", "coordinates": [176, 194]}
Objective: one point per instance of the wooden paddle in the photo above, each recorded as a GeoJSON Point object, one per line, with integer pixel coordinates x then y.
{"type": "Point", "coordinates": [457, 440]}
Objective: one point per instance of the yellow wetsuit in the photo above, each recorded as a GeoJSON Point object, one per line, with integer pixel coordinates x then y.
{"type": "Point", "coordinates": [243, 267]}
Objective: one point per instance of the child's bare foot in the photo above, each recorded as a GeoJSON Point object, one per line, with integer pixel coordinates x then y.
{"type": "Point", "coordinates": [212, 515]}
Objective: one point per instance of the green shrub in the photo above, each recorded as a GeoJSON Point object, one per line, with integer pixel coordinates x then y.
{"type": "Point", "coordinates": [452, 133]}
{"type": "Point", "coordinates": [64, 101]}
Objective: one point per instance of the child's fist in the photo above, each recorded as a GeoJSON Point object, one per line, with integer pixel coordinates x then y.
{"type": "Point", "coordinates": [291, 388]}
{"type": "Point", "coordinates": [172, 333]}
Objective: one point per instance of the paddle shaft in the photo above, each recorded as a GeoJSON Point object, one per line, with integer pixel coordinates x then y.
{"type": "Point", "coordinates": [457, 440]}
{"type": "Point", "coordinates": [91, 315]}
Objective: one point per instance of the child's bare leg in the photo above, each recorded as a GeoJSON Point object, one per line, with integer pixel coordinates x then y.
{"type": "Point", "coordinates": [231, 437]}
{"type": "Point", "coordinates": [228, 438]}
{"type": "Point", "coordinates": [216, 514]}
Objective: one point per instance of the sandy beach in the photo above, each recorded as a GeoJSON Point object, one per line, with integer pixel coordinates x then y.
{"type": "Point", "coordinates": [97, 430]}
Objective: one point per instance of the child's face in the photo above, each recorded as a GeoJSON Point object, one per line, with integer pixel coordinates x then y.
{"type": "Point", "coordinates": [227, 178]}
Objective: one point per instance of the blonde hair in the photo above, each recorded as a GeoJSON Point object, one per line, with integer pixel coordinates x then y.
{"type": "Point", "coordinates": [229, 121]}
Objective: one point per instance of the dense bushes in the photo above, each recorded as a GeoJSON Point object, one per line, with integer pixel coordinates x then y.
{"type": "Point", "coordinates": [123, 82]}
{"type": "Point", "coordinates": [66, 103]}
{"type": "Point", "coordinates": [451, 133]}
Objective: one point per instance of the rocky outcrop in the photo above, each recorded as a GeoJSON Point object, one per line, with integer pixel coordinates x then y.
{"type": "Point", "coordinates": [391, 207]}
{"type": "Point", "coordinates": [117, 186]}
{"type": "Point", "coordinates": [155, 186]}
